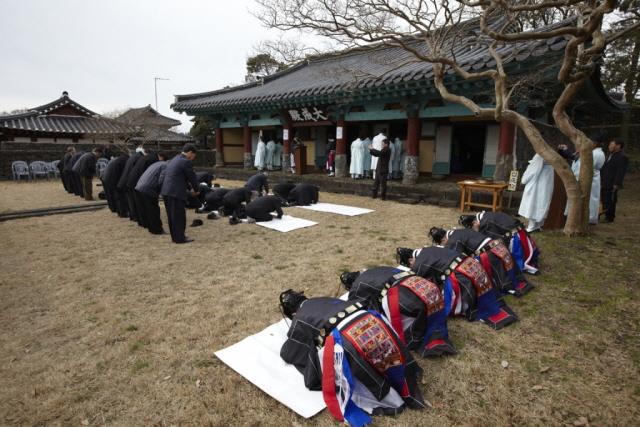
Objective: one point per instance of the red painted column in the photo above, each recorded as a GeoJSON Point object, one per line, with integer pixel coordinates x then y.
{"type": "Point", "coordinates": [341, 143]}
{"type": "Point", "coordinates": [507, 137]}
{"type": "Point", "coordinates": [504, 158]}
{"type": "Point", "coordinates": [412, 149]}
{"type": "Point", "coordinates": [341, 166]}
{"type": "Point", "coordinates": [219, 148]}
{"type": "Point", "coordinates": [246, 139]}
{"type": "Point", "coordinates": [413, 136]}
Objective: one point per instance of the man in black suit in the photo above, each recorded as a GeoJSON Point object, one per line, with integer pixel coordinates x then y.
{"type": "Point", "coordinates": [382, 169]}
{"type": "Point", "coordinates": [258, 183]}
{"type": "Point", "coordinates": [64, 174]}
{"type": "Point", "coordinates": [110, 177]}
{"type": "Point", "coordinates": [85, 167]}
{"type": "Point", "coordinates": [122, 183]}
{"type": "Point", "coordinates": [74, 178]}
{"type": "Point", "coordinates": [612, 175]}
{"type": "Point", "coordinates": [178, 175]}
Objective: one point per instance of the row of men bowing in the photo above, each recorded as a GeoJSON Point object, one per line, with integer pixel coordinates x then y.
{"type": "Point", "coordinates": [357, 351]}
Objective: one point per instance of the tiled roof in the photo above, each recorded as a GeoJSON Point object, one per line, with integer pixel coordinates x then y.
{"type": "Point", "coordinates": [154, 134]}
{"type": "Point", "coordinates": [360, 71]}
{"type": "Point", "coordinates": [147, 116]}
{"type": "Point", "coordinates": [82, 121]}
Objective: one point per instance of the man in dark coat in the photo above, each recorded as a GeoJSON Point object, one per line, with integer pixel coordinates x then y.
{"type": "Point", "coordinates": [258, 183]}
{"type": "Point", "coordinates": [382, 169]}
{"type": "Point", "coordinates": [74, 178]}
{"type": "Point", "coordinates": [232, 202]}
{"type": "Point", "coordinates": [122, 183]}
{"type": "Point", "coordinates": [303, 195]}
{"type": "Point", "coordinates": [360, 353]}
{"type": "Point", "coordinates": [282, 190]}
{"type": "Point", "coordinates": [260, 208]}
{"type": "Point", "coordinates": [110, 176]}
{"type": "Point", "coordinates": [85, 167]}
{"type": "Point", "coordinates": [64, 174]}
{"type": "Point", "coordinates": [213, 200]}
{"type": "Point", "coordinates": [147, 194]}
{"type": "Point", "coordinates": [138, 169]}
{"type": "Point", "coordinates": [612, 176]}
{"type": "Point", "coordinates": [178, 176]}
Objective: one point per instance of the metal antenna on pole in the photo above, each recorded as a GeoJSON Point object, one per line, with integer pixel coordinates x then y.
{"type": "Point", "coordinates": [155, 85]}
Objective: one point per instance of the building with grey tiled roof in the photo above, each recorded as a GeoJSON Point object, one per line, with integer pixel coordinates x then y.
{"type": "Point", "coordinates": [383, 88]}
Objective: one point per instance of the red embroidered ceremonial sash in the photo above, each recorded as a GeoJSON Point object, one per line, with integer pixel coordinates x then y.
{"type": "Point", "coordinates": [427, 291]}
{"type": "Point", "coordinates": [500, 250]}
{"type": "Point", "coordinates": [473, 270]}
{"type": "Point", "coordinates": [373, 340]}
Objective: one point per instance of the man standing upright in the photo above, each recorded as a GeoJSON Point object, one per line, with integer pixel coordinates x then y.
{"type": "Point", "coordinates": [382, 169]}
{"type": "Point", "coordinates": [612, 175]}
{"type": "Point", "coordinates": [85, 167]}
{"type": "Point", "coordinates": [178, 174]}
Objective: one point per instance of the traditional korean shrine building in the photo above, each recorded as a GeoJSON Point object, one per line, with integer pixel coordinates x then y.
{"type": "Point", "coordinates": [383, 88]}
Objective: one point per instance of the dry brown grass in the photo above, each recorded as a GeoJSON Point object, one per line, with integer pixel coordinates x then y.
{"type": "Point", "coordinates": [104, 323]}
{"type": "Point", "coordinates": [38, 195]}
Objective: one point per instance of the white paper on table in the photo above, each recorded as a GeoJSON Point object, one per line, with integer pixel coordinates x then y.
{"type": "Point", "coordinates": [257, 358]}
{"type": "Point", "coordinates": [287, 223]}
{"type": "Point", "coordinates": [336, 209]}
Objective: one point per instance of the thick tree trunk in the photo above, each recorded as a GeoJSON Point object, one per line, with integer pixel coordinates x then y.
{"type": "Point", "coordinates": [574, 193]}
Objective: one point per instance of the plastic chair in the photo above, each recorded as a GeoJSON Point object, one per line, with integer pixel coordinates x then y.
{"type": "Point", "coordinates": [20, 169]}
{"type": "Point", "coordinates": [53, 168]}
{"type": "Point", "coordinates": [38, 168]}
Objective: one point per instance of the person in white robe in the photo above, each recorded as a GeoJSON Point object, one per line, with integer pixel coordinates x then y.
{"type": "Point", "coordinates": [277, 156]}
{"type": "Point", "coordinates": [377, 144]}
{"type": "Point", "coordinates": [538, 189]}
{"type": "Point", "coordinates": [271, 145]}
{"type": "Point", "coordinates": [367, 158]}
{"type": "Point", "coordinates": [356, 166]}
{"type": "Point", "coordinates": [594, 199]}
{"type": "Point", "coordinates": [392, 160]}
{"type": "Point", "coordinates": [398, 167]}
{"type": "Point", "coordinates": [261, 151]}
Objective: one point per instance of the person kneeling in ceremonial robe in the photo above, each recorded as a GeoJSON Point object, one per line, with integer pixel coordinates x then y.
{"type": "Point", "coordinates": [352, 355]}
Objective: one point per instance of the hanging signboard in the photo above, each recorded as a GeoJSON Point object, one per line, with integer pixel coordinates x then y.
{"type": "Point", "coordinates": [285, 134]}
{"type": "Point", "coordinates": [513, 180]}
{"type": "Point", "coordinates": [339, 132]}
{"type": "Point", "coordinates": [308, 114]}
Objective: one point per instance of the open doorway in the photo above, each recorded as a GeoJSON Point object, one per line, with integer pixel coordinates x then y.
{"type": "Point", "coordinates": [467, 148]}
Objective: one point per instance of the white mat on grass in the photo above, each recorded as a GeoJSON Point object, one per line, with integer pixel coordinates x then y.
{"type": "Point", "coordinates": [257, 358]}
{"type": "Point", "coordinates": [337, 209]}
{"type": "Point", "coordinates": [287, 223]}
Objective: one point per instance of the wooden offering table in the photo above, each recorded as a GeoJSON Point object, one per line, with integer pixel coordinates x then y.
{"type": "Point", "coordinates": [467, 188]}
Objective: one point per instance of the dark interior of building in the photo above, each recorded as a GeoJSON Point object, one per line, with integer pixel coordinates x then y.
{"type": "Point", "coordinates": [467, 149]}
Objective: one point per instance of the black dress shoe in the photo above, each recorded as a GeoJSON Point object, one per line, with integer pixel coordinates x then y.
{"type": "Point", "coordinates": [187, 240]}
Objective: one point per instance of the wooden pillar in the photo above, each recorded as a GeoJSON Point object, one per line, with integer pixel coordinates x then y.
{"type": "Point", "coordinates": [412, 150]}
{"type": "Point", "coordinates": [286, 147]}
{"type": "Point", "coordinates": [246, 139]}
{"type": "Point", "coordinates": [219, 148]}
{"type": "Point", "coordinates": [341, 149]}
{"type": "Point", "coordinates": [504, 158]}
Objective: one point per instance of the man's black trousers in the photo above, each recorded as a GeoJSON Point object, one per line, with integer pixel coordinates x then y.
{"type": "Point", "coordinates": [380, 183]}
{"type": "Point", "coordinates": [177, 218]}
{"type": "Point", "coordinates": [609, 201]}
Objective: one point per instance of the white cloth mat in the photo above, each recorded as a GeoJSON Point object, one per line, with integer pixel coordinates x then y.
{"type": "Point", "coordinates": [286, 223]}
{"type": "Point", "coordinates": [336, 209]}
{"type": "Point", "coordinates": [257, 358]}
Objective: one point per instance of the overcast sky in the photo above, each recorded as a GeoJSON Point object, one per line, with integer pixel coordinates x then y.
{"type": "Point", "coordinates": [106, 53]}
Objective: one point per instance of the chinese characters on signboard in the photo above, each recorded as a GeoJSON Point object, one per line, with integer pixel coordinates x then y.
{"type": "Point", "coordinates": [513, 180]}
{"type": "Point", "coordinates": [307, 115]}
